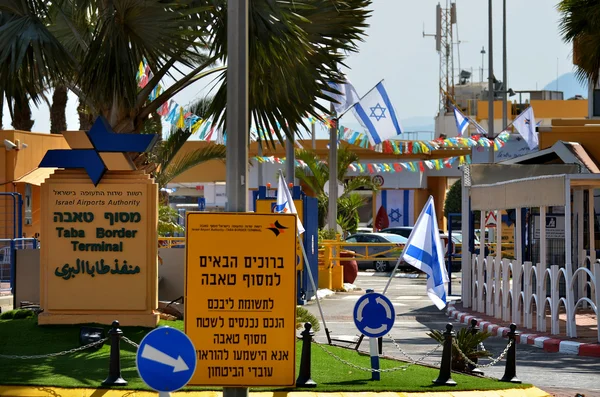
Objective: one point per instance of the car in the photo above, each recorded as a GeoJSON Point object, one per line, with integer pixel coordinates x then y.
{"type": "Point", "coordinates": [363, 229]}
{"type": "Point", "coordinates": [378, 265]}
{"type": "Point", "coordinates": [403, 231]}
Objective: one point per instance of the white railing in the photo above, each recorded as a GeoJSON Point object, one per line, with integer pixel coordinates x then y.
{"type": "Point", "coordinates": [515, 292]}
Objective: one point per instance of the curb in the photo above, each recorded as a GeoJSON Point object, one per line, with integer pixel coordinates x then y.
{"type": "Point", "coordinates": [42, 391]}
{"type": "Point", "coordinates": [550, 345]}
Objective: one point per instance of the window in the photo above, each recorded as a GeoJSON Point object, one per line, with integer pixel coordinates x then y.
{"type": "Point", "coordinates": [351, 240]}
{"type": "Point", "coordinates": [28, 213]}
{"type": "Point", "coordinates": [596, 104]}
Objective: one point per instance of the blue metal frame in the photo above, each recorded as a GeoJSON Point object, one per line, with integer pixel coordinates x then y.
{"type": "Point", "coordinates": [305, 291]}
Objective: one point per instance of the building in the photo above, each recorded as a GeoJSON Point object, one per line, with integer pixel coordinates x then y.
{"type": "Point", "coordinates": [20, 177]}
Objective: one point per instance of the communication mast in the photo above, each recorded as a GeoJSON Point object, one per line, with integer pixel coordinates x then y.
{"type": "Point", "coordinates": [445, 19]}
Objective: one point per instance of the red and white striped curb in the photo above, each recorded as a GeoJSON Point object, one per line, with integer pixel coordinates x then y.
{"type": "Point", "coordinates": [551, 345]}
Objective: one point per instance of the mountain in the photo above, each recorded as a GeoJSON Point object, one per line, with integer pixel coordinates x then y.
{"type": "Point", "coordinates": [569, 85]}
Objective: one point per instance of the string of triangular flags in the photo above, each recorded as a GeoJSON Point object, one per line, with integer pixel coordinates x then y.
{"type": "Point", "coordinates": [177, 115]}
{"type": "Point", "coordinates": [412, 147]}
{"type": "Point", "coordinates": [373, 168]}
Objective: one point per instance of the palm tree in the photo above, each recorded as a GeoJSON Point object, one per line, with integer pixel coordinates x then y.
{"type": "Point", "coordinates": [316, 172]}
{"type": "Point", "coordinates": [94, 48]}
{"type": "Point", "coordinates": [58, 118]}
{"type": "Point", "coordinates": [580, 25]}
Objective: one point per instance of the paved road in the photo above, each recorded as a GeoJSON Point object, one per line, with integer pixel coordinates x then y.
{"type": "Point", "coordinates": [416, 315]}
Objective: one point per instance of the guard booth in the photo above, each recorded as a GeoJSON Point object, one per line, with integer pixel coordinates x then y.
{"type": "Point", "coordinates": [264, 202]}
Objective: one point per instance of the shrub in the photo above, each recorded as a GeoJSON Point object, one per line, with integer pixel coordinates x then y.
{"type": "Point", "coordinates": [467, 343]}
{"type": "Point", "coordinates": [304, 316]}
{"type": "Point", "coordinates": [17, 314]}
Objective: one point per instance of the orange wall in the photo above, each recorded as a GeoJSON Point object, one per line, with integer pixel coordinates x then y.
{"type": "Point", "coordinates": [587, 136]}
{"type": "Point", "coordinates": [541, 109]}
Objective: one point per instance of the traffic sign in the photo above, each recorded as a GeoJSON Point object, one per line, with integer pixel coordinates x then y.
{"type": "Point", "coordinates": [166, 359]}
{"type": "Point", "coordinates": [374, 315]}
{"type": "Point", "coordinates": [240, 294]}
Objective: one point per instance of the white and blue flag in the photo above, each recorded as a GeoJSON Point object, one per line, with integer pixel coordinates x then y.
{"type": "Point", "coordinates": [461, 121]}
{"type": "Point", "coordinates": [525, 124]}
{"type": "Point", "coordinates": [285, 203]}
{"type": "Point", "coordinates": [424, 250]}
{"type": "Point", "coordinates": [377, 115]}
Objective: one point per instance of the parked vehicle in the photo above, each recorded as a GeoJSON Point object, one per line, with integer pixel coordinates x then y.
{"type": "Point", "coordinates": [403, 231]}
{"type": "Point", "coordinates": [378, 265]}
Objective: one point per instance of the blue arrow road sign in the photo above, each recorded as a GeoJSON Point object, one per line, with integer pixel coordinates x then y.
{"type": "Point", "coordinates": [374, 315]}
{"type": "Point", "coordinates": [166, 359]}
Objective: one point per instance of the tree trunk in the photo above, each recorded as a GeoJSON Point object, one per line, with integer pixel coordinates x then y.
{"type": "Point", "coordinates": [1, 108]}
{"type": "Point", "coordinates": [58, 119]}
{"type": "Point", "coordinates": [86, 119]}
{"type": "Point", "coordinates": [22, 114]}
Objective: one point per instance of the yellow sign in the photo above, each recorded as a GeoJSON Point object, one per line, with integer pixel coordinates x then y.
{"type": "Point", "coordinates": [240, 298]}
{"type": "Point", "coordinates": [98, 249]}
{"type": "Point", "coordinates": [267, 206]}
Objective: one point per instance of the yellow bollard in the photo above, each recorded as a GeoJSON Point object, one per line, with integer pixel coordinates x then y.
{"type": "Point", "coordinates": [325, 269]}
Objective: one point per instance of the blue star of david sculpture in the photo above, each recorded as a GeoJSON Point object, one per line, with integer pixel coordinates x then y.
{"type": "Point", "coordinates": [99, 145]}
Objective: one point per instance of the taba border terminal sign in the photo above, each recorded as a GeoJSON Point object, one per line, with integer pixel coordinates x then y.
{"type": "Point", "coordinates": [240, 295]}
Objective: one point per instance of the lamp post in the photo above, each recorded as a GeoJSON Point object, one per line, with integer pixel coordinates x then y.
{"type": "Point", "coordinates": [490, 82]}
{"type": "Point", "coordinates": [504, 71]}
{"type": "Point", "coordinates": [482, 61]}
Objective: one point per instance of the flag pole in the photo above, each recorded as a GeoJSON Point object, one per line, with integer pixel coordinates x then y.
{"type": "Point", "coordinates": [307, 266]}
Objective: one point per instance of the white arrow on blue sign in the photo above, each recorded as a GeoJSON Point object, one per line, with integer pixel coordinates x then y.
{"type": "Point", "coordinates": [166, 359]}
{"type": "Point", "coordinates": [374, 315]}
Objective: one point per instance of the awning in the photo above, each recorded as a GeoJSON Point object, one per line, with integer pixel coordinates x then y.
{"type": "Point", "coordinates": [37, 176]}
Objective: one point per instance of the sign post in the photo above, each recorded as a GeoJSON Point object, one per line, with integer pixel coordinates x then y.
{"type": "Point", "coordinates": [374, 316]}
{"type": "Point", "coordinates": [240, 296]}
{"type": "Point", "coordinates": [166, 360]}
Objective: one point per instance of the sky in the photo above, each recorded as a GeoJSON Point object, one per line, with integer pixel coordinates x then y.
{"type": "Point", "coordinates": [396, 51]}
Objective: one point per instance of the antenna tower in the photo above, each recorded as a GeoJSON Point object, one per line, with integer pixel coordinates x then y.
{"type": "Point", "coordinates": [445, 19]}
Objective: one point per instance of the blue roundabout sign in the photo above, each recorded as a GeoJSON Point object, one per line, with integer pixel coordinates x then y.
{"type": "Point", "coordinates": [374, 315]}
{"type": "Point", "coordinates": [166, 359]}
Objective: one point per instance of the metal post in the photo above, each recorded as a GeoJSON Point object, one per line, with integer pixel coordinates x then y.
{"type": "Point", "coordinates": [445, 377]}
{"type": "Point", "coordinates": [333, 187]}
{"type": "Point", "coordinates": [260, 168]}
{"type": "Point", "coordinates": [237, 106]}
{"type": "Point", "coordinates": [504, 71]}
{"type": "Point", "coordinates": [114, 368]}
{"type": "Point", "coordinates": [490, 82]}
{"type": "Point", "coordinates": [237, 122]}
{"type": "Point", "coordinates": [314, 135]}
{"type": "Point", "coordinates": [510, 371]}
{"type": "Point", "coordinates": [304, 377]}
{"type": "Point", "coordinates": [474, 329]}
{"type": "Point", "coordinates": [290, 161]}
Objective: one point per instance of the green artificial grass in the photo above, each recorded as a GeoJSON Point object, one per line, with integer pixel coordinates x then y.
{"type": "Point", "coordinates": [90, 368]}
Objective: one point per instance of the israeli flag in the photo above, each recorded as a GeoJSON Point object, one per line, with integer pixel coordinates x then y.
{"type": "Point", "coordinates": [424, 251]}
{"type": "Point", "coordinates": [399, 206]}
{"type": "Point", "coordinates": [525, 124]}
{"type": "Point", "coordinates": [461, 121]}
{"type": "Point", "coordinates": [285, 203]}
{"type": "Point", "coordinates": [377, 115]}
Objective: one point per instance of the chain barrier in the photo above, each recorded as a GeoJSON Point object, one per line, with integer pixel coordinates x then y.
{"type": "Point", "coordinates": [129, 341]}
{"type": "Point", "coordinates": [63, 353]}
{"type": "Point", "coordinates": [401, 368]}
{"type": "Point", "coordinates": [491, 363]}
{"type": "Point", "coordinates": [420, 360]}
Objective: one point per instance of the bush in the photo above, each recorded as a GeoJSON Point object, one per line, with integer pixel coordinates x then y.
{"type": "Point", "coordinates": [467, 343]}
{"type": "Point", "coordinates": [17, 314]}
{"type": "Point", "coordinates": [304, 316]}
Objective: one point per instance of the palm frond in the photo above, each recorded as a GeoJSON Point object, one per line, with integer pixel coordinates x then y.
{"type": "Point", "coordinates": [189, 160]}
